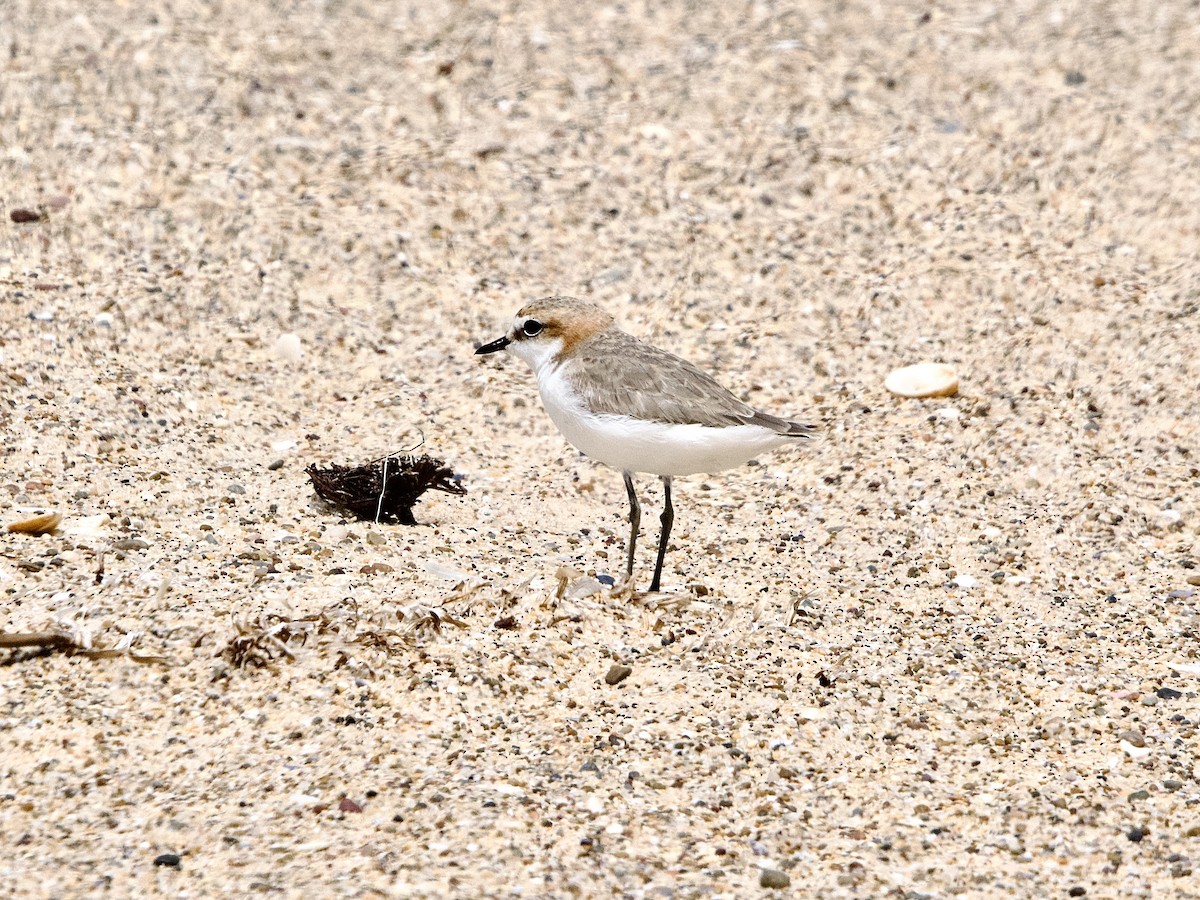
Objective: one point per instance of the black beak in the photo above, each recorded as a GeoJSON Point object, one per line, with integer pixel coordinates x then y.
{"type": "Point", "coordinates": [495, 346]}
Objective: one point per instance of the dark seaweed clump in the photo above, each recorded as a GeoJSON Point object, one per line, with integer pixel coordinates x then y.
{"type": "Point", "coordinates": [386, 489]}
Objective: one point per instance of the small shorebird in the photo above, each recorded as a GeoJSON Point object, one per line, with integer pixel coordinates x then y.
{"type": "Point", "coordinates": [635, 407]}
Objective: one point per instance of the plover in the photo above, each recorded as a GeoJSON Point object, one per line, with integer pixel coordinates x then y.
{"type": "Point", "coordinates": [635, 407]}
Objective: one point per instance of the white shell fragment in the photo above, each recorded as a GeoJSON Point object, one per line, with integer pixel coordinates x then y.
{"type": "Point", "coordinates": [87, 526]}
{"type": "Point", "coordinates": [923, 380]}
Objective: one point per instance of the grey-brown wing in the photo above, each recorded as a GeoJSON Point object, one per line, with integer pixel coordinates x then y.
{"type": "Point", "coordinates": [618, 374]}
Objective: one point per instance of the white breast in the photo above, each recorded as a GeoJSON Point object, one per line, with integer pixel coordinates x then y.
{"type": "Point", "coordinates": [635, 445]}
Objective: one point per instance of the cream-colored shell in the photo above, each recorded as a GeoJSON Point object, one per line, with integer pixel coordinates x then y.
{"type": "Point", "coordinates": [923, 380]}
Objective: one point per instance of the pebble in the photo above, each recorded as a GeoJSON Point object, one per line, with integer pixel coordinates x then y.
{"type": "Point", "coordinates": [289, 348]}
{"type": "Point", "coordinates": [773, 878]}
{"type": "Point", "coordinates": [923, 380]}
{"type": "Point", "coordinates": [40, 524]}
{"type": "Point", "coordinates": [1136, 834]}
{"type": "Point", "coordinates": [1167, 693]}
{"type": "Point", "coordinates": [1133, 737]}
{"type": "Point", "coordinates": [655, 132]}
{"type": "Point", "coordinates": [1194, 580]}
{"type": "Point", "coordinates": [170, 860]}
{"type": "Point", "coordinates": [966, 582]}
{"type": "Point", "coordinates": [376, 569]}
{"type": "Point", "coordinates": [617, 673]}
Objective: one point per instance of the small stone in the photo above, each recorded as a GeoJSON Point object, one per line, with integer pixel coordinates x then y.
{"type": "Point", "coordinates": [347, 805]}
{"type": "Point", "coordinates": [1077, 891]}
{"type": "Point", "coordinates": [773, 878]}
{"type": "Point", "coordinates": [289, 348]}
{"type": "Point", "coordinates": [1074, 78]}
{"type": "Point", "coordinates": [40, 524]}
{"type": "Point", "coordinates": [1133, 736]}
{"type": "Point", "coordinates": [998, 577]}
{"type": "Point", "coordinates": [923, 380]}
{"type": "Point", "coordinates": [965, 582]}
{"type": "Point", "coordinates": [1172, 785]}
{"type": "Point", "coordinates": [376, 569]}
{"type": "Point", "coordinates": [128, 544]}
{"type": "Point", "coordinates": [606, 580]}
{"type": "Point", "coordinates": [276, 465]}
{"type": "Point", "coordinates": [617, 673]}
{"type": "Point", "coordinates": [170, 860]}
{"type": "Point", "coordinates": [1136, 834]}
{"type": "Point", "coordinates": [20, 216]}
{"type": "Point", "coordinates": [1194, 580]}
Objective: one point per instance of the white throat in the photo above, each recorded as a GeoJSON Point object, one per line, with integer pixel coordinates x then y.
{"type": "Point", "coordinates": [538, 352]}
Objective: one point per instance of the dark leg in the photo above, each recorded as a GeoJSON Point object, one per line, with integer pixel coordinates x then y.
{"type": "Point", "coordinates": [667, 519]}
{"type": "Point", "coordinates": [635, 519]}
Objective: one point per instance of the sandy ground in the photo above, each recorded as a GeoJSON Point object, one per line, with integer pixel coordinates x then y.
{"type": "Point", "coordinates": [950, 650]}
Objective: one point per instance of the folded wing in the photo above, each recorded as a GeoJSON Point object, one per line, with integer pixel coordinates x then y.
{"type": "Point", "coordinates": [628, 377]}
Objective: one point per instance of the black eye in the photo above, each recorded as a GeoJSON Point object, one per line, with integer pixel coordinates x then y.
{"type": "Point", "coordinates": [532, 327]}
